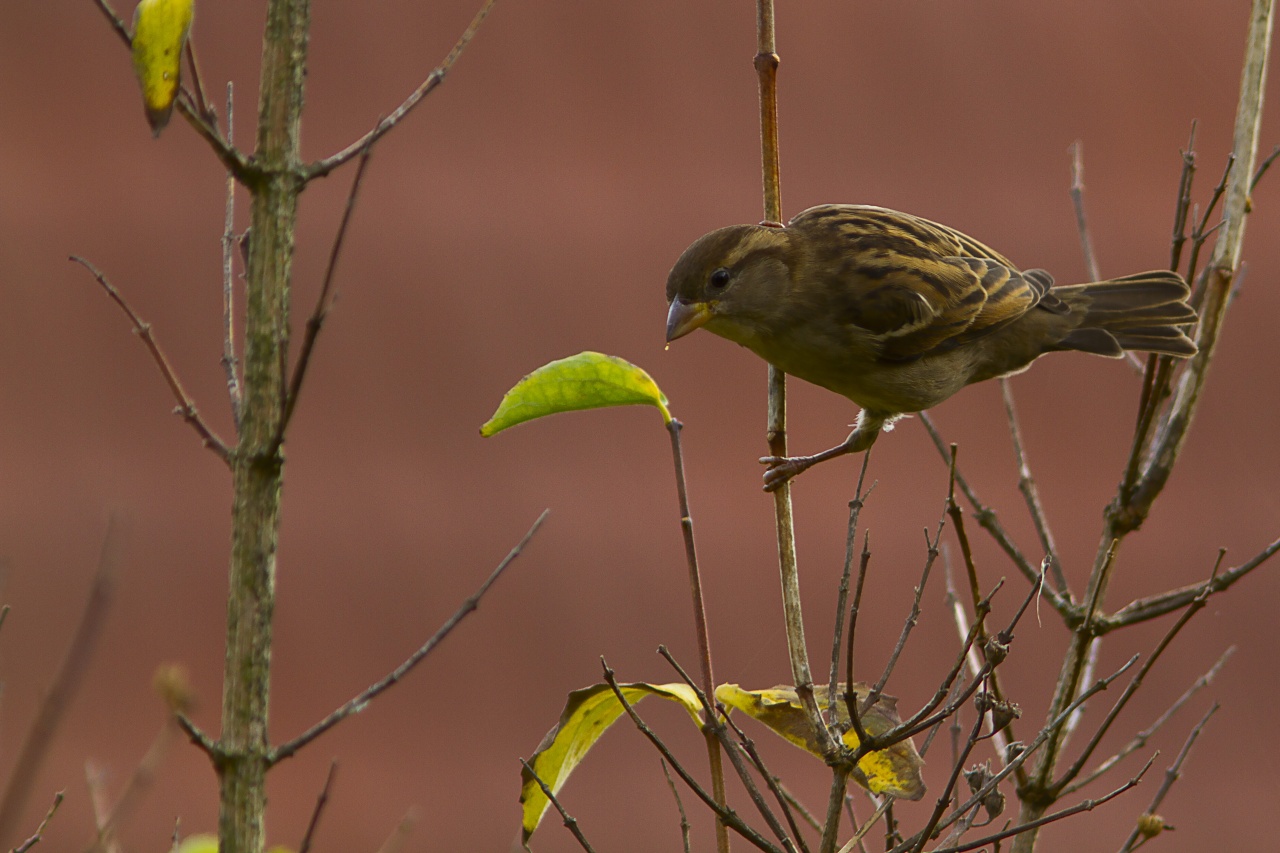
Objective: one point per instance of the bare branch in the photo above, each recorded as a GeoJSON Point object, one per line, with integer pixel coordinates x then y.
{"type": "Point", "coordinates": [684, 818]}
{"type": "Point", "coordinates": [186, 408]}
{"type": "Point", "coordinates": [1027, 485]}
{"type": "Point", "coordinates": [229, 360]}
{"type": "Point", "coordinates": [67, 679]}
{"type": "Point", "coordinates": [727, 816]}
{"type": "Point", "coordinates": [986, 518]}
{"type": "Point", "coordinates": [1140, 739]}
{"type": "Point", "coordinates": [321, 801]}
{"type": "Point", "coordinates": [1145, 609]}
{"type": "Point", "coordinates": [570, 822]}
{"type": "Point", "coordinates": [44, 824]}
{"type": "Point", "coordinates": [1171, 775]}
{"type": "Point", "coordinates": [715, 724]}
{"type": "Point", "coordinates": [360, 702]}
{"type": "Point", "coordinates": [1077, 201]}
{"type": "Point", "coordinates": [1085, 806]}
{"type": "Point", "coordinates": [321, 168]}
{"type": "Point", "coordinates": [323, 303]}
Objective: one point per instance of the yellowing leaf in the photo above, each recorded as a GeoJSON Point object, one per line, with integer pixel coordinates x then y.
{"type": "Point", "coordinates": [586, 716]}
{"type": "Point", "coordinates": [199, 844]}
{"type": "Point", "coordinates": [160, 30]}
{"type": "Point", "coordinates": [209, 844]}
{"type": "Point", "coordinates": [895, 770]}
{"type": "Point", "coordinates": [588, 380]}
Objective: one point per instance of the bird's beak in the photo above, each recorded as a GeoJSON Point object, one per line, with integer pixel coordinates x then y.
{"type": "Point", "coordinates": [683, 317]}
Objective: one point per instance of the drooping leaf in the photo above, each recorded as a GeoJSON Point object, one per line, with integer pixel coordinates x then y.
{"type": "Point", "coordinates": [587, 714]}
{"type": "Point", "coordinates": [160, 29]}
{"type": "Point", "coordinates": [588, 380]}
{"type": "Point", "coordinates": [895, 770]}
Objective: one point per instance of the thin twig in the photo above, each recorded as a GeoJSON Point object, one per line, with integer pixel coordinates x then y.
{"type": "Point", "coordinates": [142, 778]}
{"type": "Point", "coordinates": [842, 595]}
{"type": "Point", "coordinates": [728, 817]}
{"type": "Point", "coordinates": [321, 801]}
{"type": "Point", "coordinates": [201, 99]}
{"type": "Point", "coordinates": [996, 778]}
{"type": "Point", "coordinates": [715, 724]}
{"type": "Point", "coordinates": [986, 518]}
{"type": "Point", "coordinates": [1141, 738]}
{"type": "Point", "coordinates": [570, 822]}
{"type": "Point", "coordinates": [701, 628]}
{"type": "Point", "coordinates": [1085, 806]}
{"type": "Point", "coordinates": [1152, 607]}
{"type": "Point", "coordinates": [67, 679]}
{"type": "Point", "coordinates": [228, 278]}
{"type": "Point", "coordinates": [1031, 494]}
{"type": "Point", "coordinates": [684, 818]}
{"type": "Point", "coordinates": [44, 824]}
{"type": "Point", "coordinates": [186, 408]}
{"type": "Point", "coordinates": [320, 168]}
{"type": "Point", "coordinates": [1263, 167]}
{"type": "Point", "coordinates": [1196, 605]}
{"type": "Point", "coordinates": [913, 617]}
{"type": "Point", "coordinates": [1077, 201]}
{"type": "Point", "coordinates": [1171, 774]}
{"type": "Point", "coordinates": [323, 303]}
{"type": "Point", "coordinates": [360, 702]}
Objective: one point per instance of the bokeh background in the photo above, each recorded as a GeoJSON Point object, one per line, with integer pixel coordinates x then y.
{"type": "Point", "coordinates": [529, 210]}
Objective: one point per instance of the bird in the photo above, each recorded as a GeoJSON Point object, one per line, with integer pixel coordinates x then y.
{"type": "Point", "coordinates": [898, 313]}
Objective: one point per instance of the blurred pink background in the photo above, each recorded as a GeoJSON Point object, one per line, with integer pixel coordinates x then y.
{"type": "Point", "coordinates": [530, 210]}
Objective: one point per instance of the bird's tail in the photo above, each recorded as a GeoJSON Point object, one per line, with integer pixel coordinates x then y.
{"type": "Point", "coordinates": [1147, 311]}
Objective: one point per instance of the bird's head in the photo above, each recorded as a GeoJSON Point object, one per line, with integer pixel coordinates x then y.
{"type": "Point", "coordinates": [730, 281]}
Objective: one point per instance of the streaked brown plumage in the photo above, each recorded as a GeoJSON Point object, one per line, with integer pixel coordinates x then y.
{"type": "Point", "coordinates": [898, 313]}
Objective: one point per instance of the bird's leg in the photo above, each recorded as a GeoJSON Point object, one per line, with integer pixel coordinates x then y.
{"type": "Point", "coordinates": [783, 468]}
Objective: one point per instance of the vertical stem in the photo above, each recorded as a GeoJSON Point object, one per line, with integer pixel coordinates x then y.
{"type": "Point", "coordinates": [766, 65]}
{"type": "Point", "coordinates": [258, 468]}
{"type": "Point", "coordinates": [714, 757]}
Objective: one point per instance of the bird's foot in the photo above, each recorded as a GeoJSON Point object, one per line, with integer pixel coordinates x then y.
{"type": "Point", "coordinates": [783, 468]}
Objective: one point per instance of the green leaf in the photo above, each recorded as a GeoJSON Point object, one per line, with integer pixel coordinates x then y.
{"type": "Point", "coordinates": [895, 770]}
{"type": "Point", "coordinates": [587, 714]}
{"type": "Point", "coordinates": [588, 380]}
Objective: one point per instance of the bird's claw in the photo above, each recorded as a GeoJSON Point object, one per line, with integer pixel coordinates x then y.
{"type": "Point", "coordinates": [780, 470]}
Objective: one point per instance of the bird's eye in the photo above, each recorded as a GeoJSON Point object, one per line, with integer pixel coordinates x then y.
{"type": "Point", "coordinates": [720, 278]}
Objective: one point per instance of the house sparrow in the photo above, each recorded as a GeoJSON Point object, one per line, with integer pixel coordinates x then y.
{"type": "Point", "coordinates": [898, 313]}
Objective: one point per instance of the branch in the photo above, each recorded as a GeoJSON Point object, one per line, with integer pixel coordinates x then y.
{"type": "Point", "coordinates": [1145, 609]}
{"type": "Point", "coordinates": [1027, 485]}
{"type": "Point", "coordinates": [727, 816]}
{"type": "Point", "coordinates": [321, 801]}
{"type": "Point", "coordinates": [360, 702]}
{"type": "Point", "coordinates": [321, 168]}
{"type": "Point", "coordinates": [1171, 775]}
{"type": "Point", "coordinates": [323, 303]}
{"type": "Point", "coordinates": [186, 408]}
{"type": "Point", "coordinates": [39, 833]}
{"type": "Point", "coordinates": [66, 682]}
{"type": "Point", "coordinates": [1140, 739]}
{"type": "Point", "coordinates": [570, 822]}
{"type": "Point", "coordinates": [228, 291]}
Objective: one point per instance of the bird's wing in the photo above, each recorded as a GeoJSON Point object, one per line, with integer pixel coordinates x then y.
{"type": "Point", "coordinates": [918, 286]}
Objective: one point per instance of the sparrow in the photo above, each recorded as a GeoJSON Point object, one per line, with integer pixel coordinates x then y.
{"type": "Point", "coordinates": [898, 313]}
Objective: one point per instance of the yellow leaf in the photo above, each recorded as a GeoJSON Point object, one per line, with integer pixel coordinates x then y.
{"type": "Point", "coordinates": [587, 714]}
{"type": "Point", "coordinates": [199, 844]}
{"type": "Point", "coordinates": [588, 380]}
{"type": "Point", "coordinates": [895, 770]}
{"type": "Point", "coordinates": [209, 844]}
{"type": "Point", "coordinates": [160, 30]}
